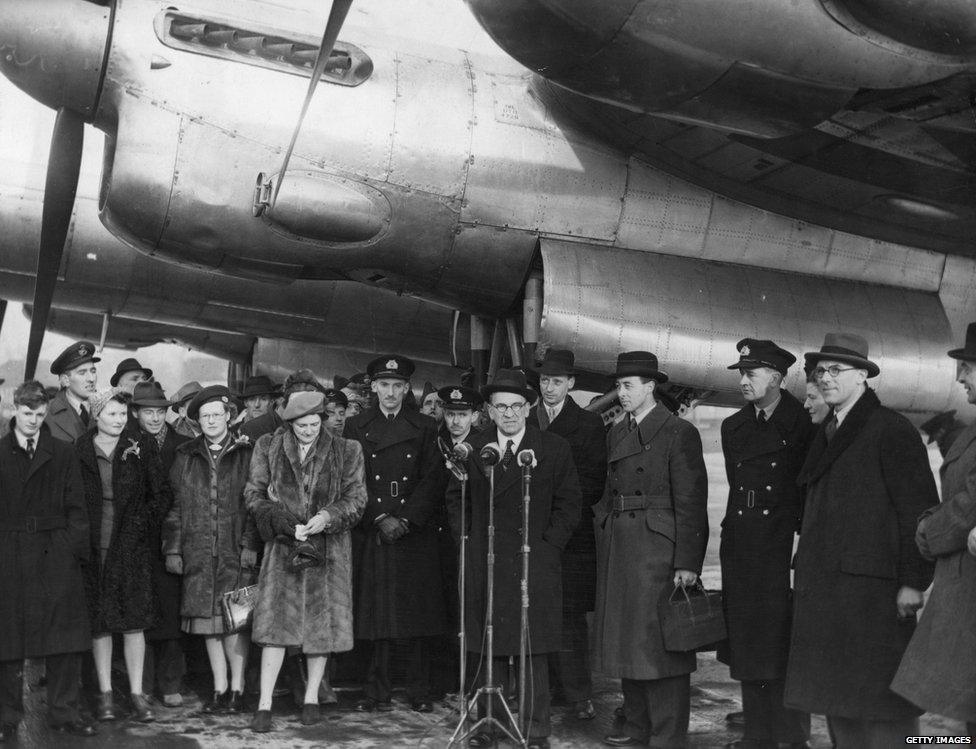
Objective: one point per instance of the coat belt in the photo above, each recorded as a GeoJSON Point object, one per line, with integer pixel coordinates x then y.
{"type": "Point", "coordinates": [32, 524]}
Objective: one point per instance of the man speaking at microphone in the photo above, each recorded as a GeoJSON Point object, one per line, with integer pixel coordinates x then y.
{"type": "Point", "coordinates": [554, 511]}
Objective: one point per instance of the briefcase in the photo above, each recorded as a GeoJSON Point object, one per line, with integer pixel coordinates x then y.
{"type": "Point", "coordinates": [692, 620]}
{"type": "Point", "coordinates": [237, 607]}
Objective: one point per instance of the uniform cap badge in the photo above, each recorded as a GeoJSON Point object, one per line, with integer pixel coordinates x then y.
{"type": "Point", "coordinates": [82, 350]}
{"type": "Point", "coordinates": [392, 364]}
{"type": "Point", "coordinates": [456, 395]}
{"type": "Point", "coordinates": [745, 351]}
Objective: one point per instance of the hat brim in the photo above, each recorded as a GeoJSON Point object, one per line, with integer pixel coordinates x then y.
{"type": "Point", "coordinates": [118, 375]}
{"type": "Point", "coordinates": [151, 403]}
{"type": "Point", "coordinates": [193, 410]}
{"type": "Point", "coordinates": [962, 354]}
{"type": "Point", "coordinates": [529, 395]}
{"type": "Point", "coordinates": [555, 369]}
{"type": "Point", "coordinates": [260, 392]}
{"type": "Point", "coordinates": [657, 374]}
{"type": "Point", "coordinates": [753, 364]}
{"type": "Point", "coordinates": [873, 369]}
{"type": "Point", "coordinates": [389, 376]}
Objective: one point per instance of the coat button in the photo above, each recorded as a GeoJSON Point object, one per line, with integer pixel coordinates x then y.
{"type": "Point", "coordinates": [772, 465]}
{"type": "Point", "coordinates": [377, 477]}
{"type": "Point", "coordinates": [374, 455]}
{"type": "Point", "coordinates": [640, 469]}
{"type": "Point", "coordinates": [402, 501]}
{"type": "Point", "coordinates": [737, 465]}
{"type": "Point", "coordinates": [765, 512]}
{"type": "Point", "coordinates": [769, 488]}
{"type": "Point", "coordinates": [741, 488]}
{"type": "Point", "coordinates": [409, 455]}
{"type": "Point", "coordinates": [637, 493]}
{"type": "Point", "coordinates": [405, 478]}
{"type": "Point", "coordinates": [740, 512]}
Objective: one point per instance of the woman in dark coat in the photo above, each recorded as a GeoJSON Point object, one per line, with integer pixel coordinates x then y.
{"type": "Point", "coordinates": [165, 662]}
{"type": "Point", "coordinates": [306, 488]}
{"type": "Point", "coordinates": [126, 493]}
{"type": "Point", "coordinates": [207, 537]}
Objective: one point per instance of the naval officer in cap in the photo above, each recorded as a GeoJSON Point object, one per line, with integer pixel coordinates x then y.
{"type": "Point", "coordinates": [651, 532]}
{"type": "Point", "coordinates": [765, 444]}
{"type": "Point", "coordinates": [397, 571]}
{"type": "Point", "coordinates": [558, 413]}
{"type": "Point", "coordinates": [68, 416]}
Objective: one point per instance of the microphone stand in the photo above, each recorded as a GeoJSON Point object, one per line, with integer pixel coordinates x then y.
{"type": "Point", "coordinates": [524, 614]}
{"type": "Point", "coordinates": [490, 691]}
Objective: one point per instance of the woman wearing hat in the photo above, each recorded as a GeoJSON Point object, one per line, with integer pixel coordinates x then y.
{"type": "Point", "coordinates": [306, 491]}
{"type": "Point", "coordinates": [127, 495]}
{"type": "Point", "coordinates": [165, 663]}
{"type": "Point", "coordinates": [208, 539]}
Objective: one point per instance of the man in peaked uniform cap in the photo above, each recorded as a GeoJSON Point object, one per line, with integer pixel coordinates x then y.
{"type": "Point", "coordinates": [67, 415]}
{"type": "Point", "coordinates": [559, 414]}
{"type": "Point", "coordinates": [396, 566]}
{"type": "Point", "coordinates": [859, 575]}
{"type": "Point", "coordinates": [765, 444]}
{"type": "Point", "coordinates": [553, 514]}
{"type": "Point", "coordinates": [652, 518]}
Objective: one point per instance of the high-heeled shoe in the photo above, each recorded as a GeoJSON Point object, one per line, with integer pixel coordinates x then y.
{"type": "Point", "coordinates": [218, 704]}
{"type": "Point", "coordinates": [105, 710]}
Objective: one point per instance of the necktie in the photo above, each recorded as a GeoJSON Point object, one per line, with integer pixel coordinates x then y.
{"type": "Point", "coordinates": [85, 418]}
{"type": "Point", "coordinates": [831, 427]}
{"type": "Point", "coordinates": [761, 416]}
{"type": "Point", "coordinates": [30, 448]}
{"type": "Point", "coordinates": [390, 417]}
{"type": "Point", "coordinates": [632, 422]}
{"type": "Point", "coordinates": [552, 414]}
{"type": "Point", "coordinates": [509, 455]}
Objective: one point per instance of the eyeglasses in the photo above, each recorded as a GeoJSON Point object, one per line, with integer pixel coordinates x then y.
{"type": "Point", "coordinates": [505, 409]}
{"type": "Point", "coordinates": [832, 370]}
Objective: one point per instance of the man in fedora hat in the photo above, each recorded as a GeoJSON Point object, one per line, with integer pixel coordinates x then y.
{"type": "Point", "coordinates": [67, 415]}
{"type": "Point", "coordinates": [652, 519]}
{"type": "Point", "coordinates": [258, 395]}
{"type": "Point", "coordinates": [183, 424]}
{"type": "Point", "coordinates": [558, 413]}
{"type": "Point", "coordinates": [859, 575]}
{"type": "Point", "coordinates": [765, 444]}
{"type": "Point", "coordinates": [299, 381]}
{"type": "Point", "coordinates": [938, 670]}
{"type": "Point", "coordinates": [396, 566]}
{"type": "Point", "coordinates": [553, 514]}
{"type": "Point", "coordinates": [128, 373]}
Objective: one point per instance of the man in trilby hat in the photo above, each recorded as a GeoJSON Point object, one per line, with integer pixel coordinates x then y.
{"type": "Point", "coordinates": [558, 413]}
{"type": "Point", "coordinates": [651, 533]}
{"type": "Point", "coordinates": [859, 575]}
{"type": "Point", "coordinates": [765, 444]}
{"type": "Point", "coordinates": [553, 514]}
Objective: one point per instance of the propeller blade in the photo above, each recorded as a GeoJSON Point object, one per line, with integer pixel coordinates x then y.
{"type": "Point", "coordinates": [63, 167]}
{"type": "Point", "coordinates": [337, 16]}
{"type": "Point", "coordinates": [3, 312]}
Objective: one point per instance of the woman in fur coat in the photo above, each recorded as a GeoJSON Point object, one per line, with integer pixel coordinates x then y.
{"type": "Point", "coordinates": [306, 491]}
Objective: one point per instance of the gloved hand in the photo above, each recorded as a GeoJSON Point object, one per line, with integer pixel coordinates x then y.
{"type": "Point", "coordinates": [174, 564]}
{"type": "Point", "coordinates": [390, 529]}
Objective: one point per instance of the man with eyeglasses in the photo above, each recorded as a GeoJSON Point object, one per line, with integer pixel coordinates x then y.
{"type": "Point", "coordinates": [396, 565]}
{"type": "Point", "coordinates": [554, 511]}
{"type": "Point", "coordinates": [859, 575]}
{"type": "Point", "coordinates": [651, 533]}
{"type": "Point", "coordinates": [765, 444]}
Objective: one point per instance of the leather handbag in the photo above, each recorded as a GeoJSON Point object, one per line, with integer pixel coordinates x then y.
{"type": "Point", "coordinates": [237, 606]}
{"type": "Point", "coordinates": [692, 621]}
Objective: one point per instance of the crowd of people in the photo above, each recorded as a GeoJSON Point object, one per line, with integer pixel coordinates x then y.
{"type": "Point", "coordinates": [306, 521]}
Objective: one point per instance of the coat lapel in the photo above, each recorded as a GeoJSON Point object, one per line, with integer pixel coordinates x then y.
{"type": "Point", "coordinates": [963, 441]}
{"type": "Point", "coordinates": [822, 455]}
{"type": "Point", "coordinates": [504, 479]}
{"type": "Point", "coordinates": [42, 453]}
{"type": "Point", "coordinates": [624, 442]}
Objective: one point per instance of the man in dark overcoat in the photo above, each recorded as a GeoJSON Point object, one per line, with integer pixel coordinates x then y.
{"type": "Point", "coordinates": [397, 588]}
{"type": "Point", "coordinates": [651, 533]}
{"type": "Point", "coordinates": [67, 415]}
{"type": "Point", "coordinates": [43, 543]}
{"type": "Point", "coordinates": [553, 514]}
{"type": "Point", "coordinates": [765, 444]}
{"type": "Point", "coordinates": [859, 575]}
{"type": "Point", "coordinates": [558, 413]}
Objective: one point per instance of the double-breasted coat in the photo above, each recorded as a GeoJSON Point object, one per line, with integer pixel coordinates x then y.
{"type": "Point", "coordinates": [310, 608]}
{"type": "Point", "coordinates": [651, 521]}
{"type": "Point", "coordinates": [554, 509]}
{"type": "Point", "coordinates": [865, 492]}
{"type": "Point", "coordinates": [43, 609]}
{"type": "Point", "coordinates": [938, 671]}
{"type": "Point", "coordinates": [762, 462]}
{"type": "Point", "coordinates": [208, 523]}
{"type": "Point", "coordinates": [63, 421]}
{"type": "Point", "coordinates": [168, 585]}
{"type": "Point", "coordinates": [587, 438]}
{"type": "Point", "coordinates": [398, 592]}
{"type": "Point", "coordinates": [121, 593]}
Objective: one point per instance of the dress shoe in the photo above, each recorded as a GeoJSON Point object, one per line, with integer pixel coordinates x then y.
{"type": "Point", "coordinates": [584, 710]}
{"type": "Point", "coordinates": [76, 728]}
{"type": "Point", "coordinates": [141, 712]}
{"type": "Point", "coordinates": [261, 722]}
{"type": "Point", "coordinates": [173, 700]}
{"type": "Point", "coordinates": [310, 714]}
{"type": "Point", "coordinates": [422, 706]}
{"type": "Point", "coordinates": [218, 704]}
{"type": "Point", "coordinates": [8, 732]}
{"type": "Point", "coordinates": [235, 703]}
{"type": "Point", "coordinates": [105, 710]}
{"type": "Point", "coordinates": [540, 742]}
{"type": "Point", "coordinates": [481, 740]}
{"type": "Point", "coordinates": [737, 719]}
{"type": "Point", "coordinates": [621, 739]}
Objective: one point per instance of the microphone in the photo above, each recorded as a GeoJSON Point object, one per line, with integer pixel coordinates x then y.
{"type": "Point", "coordinates": [491, 454]}
{"type": "Point", "coordinates": [463, 450]}
{"type": "Point", "coordinates": [526, 458]}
